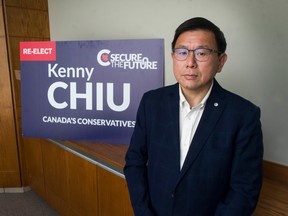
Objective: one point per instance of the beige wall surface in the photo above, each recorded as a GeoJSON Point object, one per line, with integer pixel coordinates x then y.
{"type": "Point", "coordinates": [256, 33]}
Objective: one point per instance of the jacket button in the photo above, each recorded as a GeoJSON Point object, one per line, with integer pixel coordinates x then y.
{"type": "Point", "coordinates": [172, 195]}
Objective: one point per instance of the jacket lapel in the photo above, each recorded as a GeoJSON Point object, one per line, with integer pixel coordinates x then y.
{"type": "Point", "coordinates": [173, 129]}
{"type": "Point", "coordinates": [212, 112]}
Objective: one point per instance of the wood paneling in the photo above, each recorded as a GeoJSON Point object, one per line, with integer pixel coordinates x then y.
{"type": "Point", "coordinates": [26, 20]}
{"type": "Point", "coordinates": [112, 153]}
{"type": "Point", "coordinates": [5, 93]}
{"type": "Point", "coordinates": [9, 165]}
{"type": "Point", "coordinates": [35, 172]}
{"type": "Point", "coordinates": [82, 183]}
{"type": "Point", "coordinates": [31, 4]}
{"type": "Point", "coordinates": [273, 199]}
{"type": "Point", "coordinates": [113, 195]}
{"type": "Point", "coordinates": [56, 176]}
{"type": "Point", "coordinates": [276, 172]}
{"type": "Point", "coordinates": [28, 23]}
{"type": "Point", "coordinates": [2, 27]}
{"type": "Point", "coordinates": [72, 185]}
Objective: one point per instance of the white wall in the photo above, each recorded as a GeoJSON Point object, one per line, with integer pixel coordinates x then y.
{"type": "Point", "coordinates": [256, 32]}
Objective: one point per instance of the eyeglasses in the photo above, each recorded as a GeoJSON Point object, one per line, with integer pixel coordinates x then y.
{"type": "Point", "coordinates": [201, 54]}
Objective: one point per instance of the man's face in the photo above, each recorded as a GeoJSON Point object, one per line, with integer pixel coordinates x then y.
{"type": "Point", "coordinates": [195, 76]}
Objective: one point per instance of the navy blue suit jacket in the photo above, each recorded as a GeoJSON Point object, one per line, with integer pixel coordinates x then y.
{"type": "Point", "coordinates": [222, 173]}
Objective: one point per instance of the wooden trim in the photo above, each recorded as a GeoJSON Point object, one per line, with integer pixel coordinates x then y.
{"type": "Point", "coordinates": [275, 172]}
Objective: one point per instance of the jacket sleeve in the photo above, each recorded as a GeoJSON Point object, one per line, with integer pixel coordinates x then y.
{"type": "Point", "coordinates": [135, 169]}
{"type": "Point", "coordinates": [246, 176]}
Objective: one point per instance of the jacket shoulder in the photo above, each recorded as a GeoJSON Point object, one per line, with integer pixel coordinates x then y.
{"type": "Point", "coordinates": [232, 100]}
{"type": "Point", "coordinates": [240, 102]}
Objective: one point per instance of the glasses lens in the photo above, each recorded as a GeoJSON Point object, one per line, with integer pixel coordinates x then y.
{"type": "Point", "coordinates": [202, 54]}
{"type": "Point", "coordinates": [181, 54]}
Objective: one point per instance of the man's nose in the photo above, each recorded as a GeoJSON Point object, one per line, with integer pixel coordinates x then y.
{"type": "Point", "coordinates": [191, 60]}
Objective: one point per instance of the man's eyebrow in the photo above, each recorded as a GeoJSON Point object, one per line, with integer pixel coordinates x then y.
{"type": "Point", "coordinates": [204, 46]}
{"type": "Point", "coordinates": [181, 46]}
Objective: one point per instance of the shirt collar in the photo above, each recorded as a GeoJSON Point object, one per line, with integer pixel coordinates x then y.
{"type": "Point", "coordinates": [184, 103]}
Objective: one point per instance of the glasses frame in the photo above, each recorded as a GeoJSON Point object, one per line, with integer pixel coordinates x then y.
{"type": "Point", "coordinates": [195, 50]}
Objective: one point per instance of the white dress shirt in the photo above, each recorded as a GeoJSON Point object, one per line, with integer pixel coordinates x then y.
{"type": "Point", "coordinates": [189, 120]}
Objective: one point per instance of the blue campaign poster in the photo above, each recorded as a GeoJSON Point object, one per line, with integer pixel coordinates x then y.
{"type": "Point", "coordinates": [87, 90]}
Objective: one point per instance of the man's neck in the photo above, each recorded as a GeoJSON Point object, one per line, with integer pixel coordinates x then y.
{"type": "Point", "coordinates": [195, 97]}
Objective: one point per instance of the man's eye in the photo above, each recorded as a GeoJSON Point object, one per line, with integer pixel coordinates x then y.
{"type": "Point", "coordinates": [182, 52]}
{"type": "Point", "coordinates": [200, 53]}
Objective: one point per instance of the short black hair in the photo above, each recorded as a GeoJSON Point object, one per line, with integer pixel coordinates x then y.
{"type": "Point", "coordinates": [200, 23]}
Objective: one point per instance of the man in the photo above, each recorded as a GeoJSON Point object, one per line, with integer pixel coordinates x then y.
{"type": "Point", "coordinates": [196, 148]}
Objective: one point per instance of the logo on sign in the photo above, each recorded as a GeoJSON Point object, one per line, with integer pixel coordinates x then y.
{"type": "Point", "coordinates": [125, 60]}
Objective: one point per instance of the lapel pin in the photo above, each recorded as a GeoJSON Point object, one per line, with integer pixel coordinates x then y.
{"type": "Point", "coordinates": [216, 104]}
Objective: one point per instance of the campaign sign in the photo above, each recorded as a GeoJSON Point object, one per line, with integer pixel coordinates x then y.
{"type": "Point", "coordinates": [87, 90]}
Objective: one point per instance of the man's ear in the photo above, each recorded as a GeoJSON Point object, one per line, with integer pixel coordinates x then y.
{"type": "Point", "coordinates": [222, 59]}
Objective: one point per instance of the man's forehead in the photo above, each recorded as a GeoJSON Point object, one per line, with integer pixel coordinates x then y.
{"type": "Point", "coordinates": [204, 38]}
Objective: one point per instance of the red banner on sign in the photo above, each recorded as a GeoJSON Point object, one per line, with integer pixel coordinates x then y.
{"type": "Point", "coordinates": [38, 51]}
